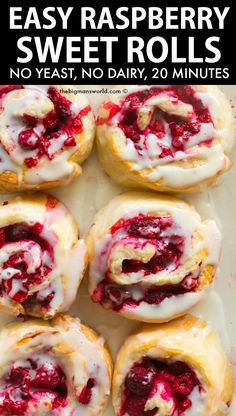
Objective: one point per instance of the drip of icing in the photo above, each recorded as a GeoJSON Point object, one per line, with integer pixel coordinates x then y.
{"type": "Point", "coordinates": [51, 170]}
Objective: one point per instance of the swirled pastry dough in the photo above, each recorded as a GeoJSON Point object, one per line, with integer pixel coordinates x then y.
{"type": "Point", "coordinates": [41, 259]}
{"type": "Point", "coordinates": [45, 134]}
{"type": "Point", "coordinates": [53, 368]}
{"type": "Point", "coordinates": [151, 257]}
{"type": "Point", "coordinates": [166, 138]}
{"type": "Point", "coordinates": [174, 369]}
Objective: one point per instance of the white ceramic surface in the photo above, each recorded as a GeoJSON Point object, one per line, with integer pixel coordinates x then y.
{"type": "Point", "coordinates": [94, 189]}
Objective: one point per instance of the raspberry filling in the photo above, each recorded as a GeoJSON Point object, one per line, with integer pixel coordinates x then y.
{"type": "Point", "coordinates": [150, 382]}
{"type": "Point", "coordinates": [163, 235]}
{"type": "Point", "coordinates": [154, 230]}
{"type": "Point", "coordinates": [32, 382]}
{"type": "Point", "coordinates": [86, 392]}
{"type": "Point", "coordinates": [180, 130]}
{"type": "Point", "coordinates": [56, 132]}
{"type": "Point", "coordinates": [26, 260]}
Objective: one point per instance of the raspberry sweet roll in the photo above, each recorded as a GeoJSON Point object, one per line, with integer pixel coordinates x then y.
{"type": "Point", "coordinates": [45, 134]}
{"type": "Point", "coordinates": [151, 257]}
{"type": "Point", "coordinates": [57, 368]}
{"type": "Point", "coordinates": [166, 138]}
{"type": "Point", "coordinates": [174, 369]}
{"type": "Point", "coordinates": [41, 259]}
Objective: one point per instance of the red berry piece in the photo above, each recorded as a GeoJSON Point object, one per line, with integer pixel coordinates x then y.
{"type": "Point", "coordinates": [61, 103]}
{"type": "Point", "coordinates": [28, 139]}
{"type": "Point", "coordinates": [134, 406]}
{"type": "Point", "coordinates": [113, 109]}
{"type": "Point", "coordinates": [131, 133]}
{"type": "Point", "coordinates": [19, 297]}
{"type": "Point", "coordinates": [186, 93]}
{"type": "Point", "coordinates": [134, 101]}
{"type": "Point", "coordinates": [194, 128]}
{"type": "Point", "coordinates": [132, 266]}
{"type": "Point", "coordinates": [18, 375]}
{"type": "Point", "coordinates": [166, 151]}
{"type": "Point", "coordinates": [177, 142]}
{"type": "Point", "coordinates": [86, 393]}
{"type": "Point", "coordinates": [10, 407]}
{"type": "Point", "coordinates": [117, 226]}
{"type": "Point", "coordinates": [37, 228]}
{"type": "Point", "coordinates": [140, 380]}
{"type": "Point", "coordinates": [30, 120]}
{"type": "Point", "coordinates": [50, 121]}
{"type": "Point", "coordinates": [130, 116]}
{"type": "Point", "coordinates": [51, 203]}
{"type": "Point", "coordinates": [47, 377]}
{"type": "Point", "coordinates": [178, 368]}
{"type": "Point", "coordinates": [205, 117]}
{"type": "Point", "coordinates": [31, 162]}
{"type": "Point", "coordinates": [75, 124]}
{"type": "Point", "coordinates": [177, 129]}
{"type": "Point", "coordinates": [17, 232]}
{"type": "Point", "coordinates": [183, 385]}
{"type": "Point", "coordinates": [166, 376]}
{"type": "Point", "coordinates": [158, 127]}
{"type": "Point", "coordinates": [148, 227]}
{"type": "Point", "coordinates": [155, 297]}
{"type": "Point", "coordinates": [70, 141]}
{"type": "Point", "coordinates": [186, 404]}
{"type": "Point", "coordinates": [99, 293]}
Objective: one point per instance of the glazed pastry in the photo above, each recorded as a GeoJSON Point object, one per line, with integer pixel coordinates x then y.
{"type": "Point", "coordinates": [151, 257]}
{"type": "Point", "coordinates": [41, 259]}
{"type": "Point", "coordinates": [173, 369]}
{"type": "Point", "coordinates": [45, 134]}
{"type": "Point", "coordinates": [173, 138]}
{"type": "Point", "coordinates": [58, 368]}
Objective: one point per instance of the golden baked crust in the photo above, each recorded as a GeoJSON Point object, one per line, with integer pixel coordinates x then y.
{"type": "Point", "coordinates": [108, 250]}
{"type": "Point", "coordinates": [18, 109]}
{"type": "Point", "coordinates": [200, 169]}
{"type": "Point", "coordinates": [38, 232]}
{"type": "Point", "coordinates": [190, 340]}
{"type": "Point", "coordinates": [79, 350]}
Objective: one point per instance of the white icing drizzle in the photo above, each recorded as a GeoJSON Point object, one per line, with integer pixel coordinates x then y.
{"type": "Point", "coordinates": [51, 170]}
{"type": "Point", "coordinates": [168, 308]}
